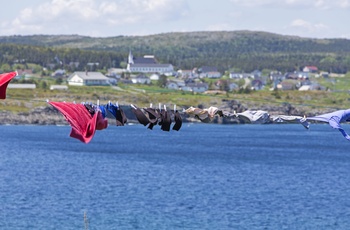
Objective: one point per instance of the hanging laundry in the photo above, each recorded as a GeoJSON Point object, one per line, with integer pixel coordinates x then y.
{"type": "Point", "coordinates": [255, 117]}
{"type": "Point", "coordinates": [101, 121]}
{"type": "Point", "coordinates": [165, 122]}
{"type": "Point", "coordinates": [140, 115]}
{"type": "Point", "coordinates": [204, 115]}
{"type": "Point", "coordinates": [207, 115]}
{"type": "Point", "coordinates": [334, 119]}
{"type": "Point", "coordinates": [115, 112]}
{"type": "Point", "coordinates": [83, 124]}
{"type": "Point", "coordinates": [289, 119]}
{"type": "Point", "coordinates": [177, 120]}
{"type": "Point", "coordinates": [153, 116]}
{"type": "Point", "coordinates": [5, 79]}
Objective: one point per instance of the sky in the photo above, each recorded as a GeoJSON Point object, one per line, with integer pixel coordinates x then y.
{"type": "Point", "coordinates": [110, 18]}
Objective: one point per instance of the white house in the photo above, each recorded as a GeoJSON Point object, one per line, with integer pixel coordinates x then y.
{"type": "Point", "coordinates": [154, 77]}
{"type": "Point", "coordinates": [210, 75]}
{"type": "Point", "coordinates": [186, 73]}
{"type": "Point", "coordinates": [141, 79]}
{"type": "Point", "coordinates": [87, 78]}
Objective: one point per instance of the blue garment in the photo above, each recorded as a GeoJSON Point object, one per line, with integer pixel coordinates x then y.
{"type": "Point", "coordinates": [115, 112]}
{"type": "Point", "coordinates": [103, 110]}
{"type": "Point", "coordinates": [334, 119]}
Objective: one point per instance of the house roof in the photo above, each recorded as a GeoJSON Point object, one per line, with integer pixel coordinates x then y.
{"type": "Point", "coordinates": [89, 75]}
{"type": "Point", "coordinates": [150, 65]}
{"type": "Point", "coordinates": [206, 69]}
{"type": "Point", "coordinates": [145, 60]}
{"type": "Point", "coordinates": [311, 67]}
{"type": "Point", "coordinates": [205, 85]}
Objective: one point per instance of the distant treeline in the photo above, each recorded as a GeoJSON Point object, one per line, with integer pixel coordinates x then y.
{"type": "Point", "coordinates": [240, 50]}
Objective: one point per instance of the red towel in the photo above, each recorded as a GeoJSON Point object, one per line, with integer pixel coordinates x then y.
{"type": "Point", "coordinates": [82, 122]}
{"type": "Point", "coordinates": [5, 79]}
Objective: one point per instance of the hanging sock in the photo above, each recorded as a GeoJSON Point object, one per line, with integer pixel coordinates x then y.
{"type": "Point", "coordinates": [5, 79]}
{"type": "Point", "coordinates": [166, 120]}
{"type": "Point", "coordinates": [141, 117]}
{"type": "Point", "coordinates": [153, 116]}
{"type": "Point", "coordinates": [178, 121]}
{"type": "Point", "coordinates": [82, 122]}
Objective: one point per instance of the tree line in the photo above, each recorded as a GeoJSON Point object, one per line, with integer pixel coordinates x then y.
{"type": "Point", "coordinates": [244, 51]}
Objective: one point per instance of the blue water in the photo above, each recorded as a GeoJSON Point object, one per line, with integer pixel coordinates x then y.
{"type": "Point", "coordinates": [202, 177]}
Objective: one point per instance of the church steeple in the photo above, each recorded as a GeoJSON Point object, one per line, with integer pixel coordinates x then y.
{"type": "Point", "coordinates": [130, 58]}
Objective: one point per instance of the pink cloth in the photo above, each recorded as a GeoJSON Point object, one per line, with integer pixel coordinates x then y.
{"type": "Point", "coordinates": [82, 122]}
{"type": "Point", "coordinates": [5, 79]}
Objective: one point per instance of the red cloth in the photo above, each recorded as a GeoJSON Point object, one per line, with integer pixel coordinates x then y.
{"type": "Point", "coordinates": [5, 79]}
{"type": "Point", "coordinates": [101, 122]}
{"type": "Point", "coordinates": [82, 122]}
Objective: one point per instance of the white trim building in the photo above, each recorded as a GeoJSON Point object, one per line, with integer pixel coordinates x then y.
{"type": "Point", "coordinates": [87, 78]}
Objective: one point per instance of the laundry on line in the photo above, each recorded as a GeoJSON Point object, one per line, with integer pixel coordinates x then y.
{"type": "Point", "coordinates": [86, 118]}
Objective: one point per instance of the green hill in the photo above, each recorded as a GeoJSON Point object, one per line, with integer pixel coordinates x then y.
{"type": "Point", "coordinates": [243, 50]}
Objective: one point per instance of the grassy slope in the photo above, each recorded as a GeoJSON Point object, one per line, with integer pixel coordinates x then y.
{"type": "Point", "coordinates": [141, 95]}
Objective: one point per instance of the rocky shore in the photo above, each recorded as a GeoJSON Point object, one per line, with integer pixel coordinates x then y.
{"type": "Point", "coordinates": [48, 115]}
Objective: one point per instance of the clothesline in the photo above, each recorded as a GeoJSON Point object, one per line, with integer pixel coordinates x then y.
{"type": "Point", "coordinates": [86, 118]}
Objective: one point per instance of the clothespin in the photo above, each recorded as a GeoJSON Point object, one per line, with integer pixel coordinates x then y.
{"type": "Point", "coordinates": [133, 106]}
{"type": "Point", "coordinates": [150, 105]}
{"type": "Point", "coordinates": [174, 107]}
{"type": "Point", "coordinates": [98, 102]}
{"type": "Point", "coordinates": [160, 106]}
{"type": "Point", "coordinates": [47, 100]}
{"type": "Point", "coordinates": [165, 107]}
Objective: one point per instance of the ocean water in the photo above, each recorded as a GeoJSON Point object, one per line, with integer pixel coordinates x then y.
{"type": "Point", "coordinates": [204, 176]}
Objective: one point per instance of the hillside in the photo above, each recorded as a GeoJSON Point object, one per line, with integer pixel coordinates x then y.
{"type": "Point", "coordinates": [243, 50]}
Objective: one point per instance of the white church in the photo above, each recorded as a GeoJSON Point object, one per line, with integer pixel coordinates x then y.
{"type": "Point", "coordinates": [147, 64]}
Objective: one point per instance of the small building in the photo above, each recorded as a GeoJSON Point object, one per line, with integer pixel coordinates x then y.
{"type": "Point", "coordinates": [58, 87]}
{"type": "Point", "coordinates": [58, 73]}
{"type": "Point", "coordinates": [186, 73]}
{"type": "Point", "coordinates": [141, 79]}
{"type": "Point", "coordinates": [213, 74]}
{"type": "Point", "coordinates": [154, 77]}
{"type": "Point", "coordinates": [196, 87]}
{"type": "Point", "coordinates": [172, 85]}
{"type": "Point", "coordinates": [209, 72]}
{"type": "Point", "coordinates": [87, 79]}
{"type": "Point", "coordinates": [310, 69]}
{"type": "Point", "coordinates": [115, 72]}
{"type": "Point", "coordinates": [21, 86]}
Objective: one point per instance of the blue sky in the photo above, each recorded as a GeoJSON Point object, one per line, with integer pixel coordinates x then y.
{"type": "Point", "coordinates": [108, 18]}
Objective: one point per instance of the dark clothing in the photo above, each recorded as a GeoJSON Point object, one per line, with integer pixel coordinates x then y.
{"type": "Point", "coordinates": [178, 121]}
